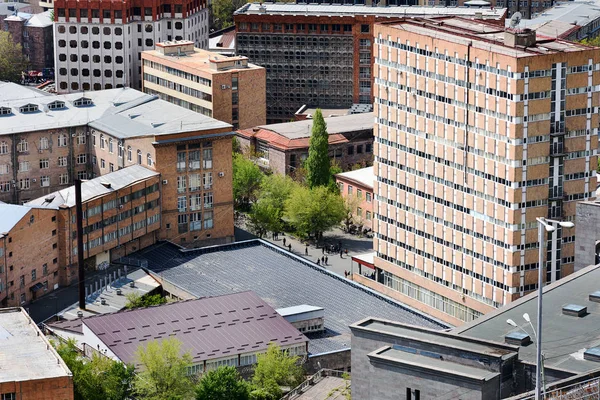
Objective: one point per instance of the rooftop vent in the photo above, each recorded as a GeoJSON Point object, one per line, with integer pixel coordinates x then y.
{"type": "Point", "coordinates": [106, 184]}
{"type": "Point", "coordinates": [595, 297]}
{"type": "Point", "coordinates": [119, 292]}
{"type": "Point", "coordinates": [79, 314]}
{"type": "Point", "coordinates": [49, 199]}
{"type": "Point", "coordinates": [103, 302]}
{"type": "Point", "coordinates": [132, 284]}
{"type": "Point", "coordinates": [592, 354]}
{"type": "Point", "coordinates": [574, 310]}
{"type": "Point", "coordinates": [523, 37]}
{"type": "Point", "coordinates": [517, 338]}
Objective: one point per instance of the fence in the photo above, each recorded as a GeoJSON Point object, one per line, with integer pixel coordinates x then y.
{"type": "Point", "coordinates": [312, 380]}
{"type": "Point", "coordinates": [586, 390]}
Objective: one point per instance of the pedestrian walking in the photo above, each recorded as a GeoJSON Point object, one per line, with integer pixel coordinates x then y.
{"type": "Point", "coordinates": [283, 242]}
{"type": "Point", "coordinates": [341, 252]}
{"type": "Point", "coordinates": [326, 260]}
{"type": "Point", "coordinates": [290, 247]}
{"type": "Point", "coordinates": [306, 250]}
{"type": "Point", "coordinates": [323, 249]}
{"type": "Point", "coordinates": [318, 261]}
{"type": "Point", "coordinates": [346, 251]}
{"type": "Point", "coordinates": [345, 273]}
{"type": "Point", "coordinates": [323, 259]}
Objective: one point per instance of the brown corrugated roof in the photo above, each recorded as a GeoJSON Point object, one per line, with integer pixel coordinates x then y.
{"type": "Point", "coordinates": [209, 328]}
{"type": "Point", "coordinates": [283, 143]}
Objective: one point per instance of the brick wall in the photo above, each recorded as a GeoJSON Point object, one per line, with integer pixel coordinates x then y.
{"type": "Point", "coordinates": [30, 245]}
{"type": "Point", "coordinates": [60, 388]}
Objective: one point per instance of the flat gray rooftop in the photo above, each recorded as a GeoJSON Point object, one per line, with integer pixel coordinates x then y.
{"type": "Point", "coordinates": [442, 339]}
{"type": "Point", "coordinates": [341, 124]}
{"type": "Point", "coordinates": [282, 280]}
{"type": "Point", "coordinates": [348, 10]}
{"type": "Point", "coordinates": [25, 353]}
{"type": "Point", "coordinates": [564, 338]}
{"type": "Point", "coordinates": [433, 364]}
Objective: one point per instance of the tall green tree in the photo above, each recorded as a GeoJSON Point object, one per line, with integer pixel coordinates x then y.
{"type": "Point", "coordinates": [247, 177]}
{"type": "Point", "coordinates": [314, 211]}
{"type": "Point", "coordinates": [275, 368]}
{"type": "Point", "coordinates": [224, 383]}
{"type": "Point", "coordinates": [267, 212]}
{"type": "Point", "coordinates": [99, 378]}
{"type": "Point", "coordinates": [12, 60]}
{"type": "Point", "coordinates": [163, 372]}
{"type": "Point", "coordinates": [318, 164]}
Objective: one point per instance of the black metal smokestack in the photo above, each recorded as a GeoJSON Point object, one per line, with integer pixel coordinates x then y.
{"type": "Point", "coordinates": [79, 217]}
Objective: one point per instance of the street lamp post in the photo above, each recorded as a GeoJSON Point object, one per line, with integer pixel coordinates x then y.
{"type": "Point", "coordinates": [544, 225]}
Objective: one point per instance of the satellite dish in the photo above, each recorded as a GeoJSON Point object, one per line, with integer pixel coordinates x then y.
{"type": "Point", "coordinates": [515, 20]}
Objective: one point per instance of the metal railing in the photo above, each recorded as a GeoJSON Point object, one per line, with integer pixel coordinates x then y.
{"type": "Point", "coordinates": [586, 390]}
{"type": "Point", "coordinates": [313, 380]}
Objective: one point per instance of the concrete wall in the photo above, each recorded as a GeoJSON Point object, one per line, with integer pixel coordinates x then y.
{"type": "Point", "coordinates": [587, 233]}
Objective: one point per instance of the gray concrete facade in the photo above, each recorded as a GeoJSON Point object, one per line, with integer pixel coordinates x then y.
{"type": "Point", "coordinates": [587, 233]}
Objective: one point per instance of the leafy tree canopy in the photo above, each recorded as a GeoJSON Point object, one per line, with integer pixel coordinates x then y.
{"type": "Point", "coordinates": [163, 372]}
{"type": "Point", "coordinates": [222, 384]}
{"type": "Point", "coordinates": [12, 60]}
{"type": "Point", "coordinates": [314, 211]}
{"type": "Point", "coordinates": [134, 300]}
{"type": "Point", "coordinates": [247, 177]}
{"type": "Point", "coordinates": [274, 369]}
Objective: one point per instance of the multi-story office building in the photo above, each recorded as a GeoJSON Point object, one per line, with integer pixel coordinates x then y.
{"type": "Point", "coordinates": [121, 214]}
{"type": "Point", "coordinates": [98, 45]}
{"type": "Point", "coordinates": [226, 88]}
{"type": "Point", "coordinates": [479, 131]}
{"type": "Point", "coordinates": [47, 141]}
{"type": "Point", "coordinates": [320, 55]}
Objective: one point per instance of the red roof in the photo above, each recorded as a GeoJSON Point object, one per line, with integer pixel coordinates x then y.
{"type": "Point", "coordinates": [283, 143]}
{"type": "Point", "coordinates": [211, 327]}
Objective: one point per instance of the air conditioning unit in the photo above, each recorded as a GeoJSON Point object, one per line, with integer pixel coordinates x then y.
{"type": "Point", "coordinates": [73, 134]}
{"type": "Point", "coordinates": [165, 181]}
{"type": "Point", "coordinates": [224, 87]}
{"type": "Point", "coordinates": [40, 151]}
{"type": "Point", "coordinates": [221, 174]}
{"type": "Point", "coordinates": [34, 180]}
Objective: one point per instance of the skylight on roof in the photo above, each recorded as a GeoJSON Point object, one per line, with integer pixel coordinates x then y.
{"type": "Point", "coordinates": [5, 111]}
{"type": "Point", "coordinates": [83, 101]}
{"type": "Point", "coordinates": [28, 108]}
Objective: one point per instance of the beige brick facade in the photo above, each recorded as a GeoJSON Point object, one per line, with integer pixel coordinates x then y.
{"type": "Point", "coordinates": [226, 88]}
{"type": "Point", "coordinates": [459, 187]}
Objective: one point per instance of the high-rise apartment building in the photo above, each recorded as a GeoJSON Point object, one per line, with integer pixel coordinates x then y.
{"type": "Point", "coordinates": [479, 130]}
{"type": "Point", "coordinates": [320, 55]}
{"type": "Point", "coordinates": [98, 45]}
{"type": "Point", "coordinates": [229, 89]}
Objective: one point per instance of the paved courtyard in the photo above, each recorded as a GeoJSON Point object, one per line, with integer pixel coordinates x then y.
{"type": "Point", "coordinates": [354, 244]}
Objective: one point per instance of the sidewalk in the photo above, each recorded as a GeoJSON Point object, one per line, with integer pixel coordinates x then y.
{"type": "Point", "coordinates": [354, 244]}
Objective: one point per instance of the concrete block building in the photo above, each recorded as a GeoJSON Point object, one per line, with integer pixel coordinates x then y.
{"type": "Point", "coordinates": [31, 368]}
{"type": "Point", "coordinates": [284, 147]}
{"type": "Point", "coordinates": [229, 89]}
{"type": "Point", "coordinates": [98, 45]}
{"type": "Point", "coordinates": [29, 253]}
{"type": "Point", "coordinates": [479, 131]}
{"type": "Point", "coordinates": [321, 55]}
{"type": "Point", "coordinates": [35, 35]}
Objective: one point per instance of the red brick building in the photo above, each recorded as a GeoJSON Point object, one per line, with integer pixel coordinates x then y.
{"type": "Point", "coordinates": [34, 33]}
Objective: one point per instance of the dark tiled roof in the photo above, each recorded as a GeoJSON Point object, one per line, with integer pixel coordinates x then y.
{"type": "Point", "coordinates": [208, 328]}
{"type": "Point", "coordinates": [282, 280]}
{"type": "Point", "coordinates": [67, 325]}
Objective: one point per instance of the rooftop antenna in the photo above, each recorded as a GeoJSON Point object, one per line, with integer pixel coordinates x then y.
{"type": "Point", "coordinates": [515, 20]}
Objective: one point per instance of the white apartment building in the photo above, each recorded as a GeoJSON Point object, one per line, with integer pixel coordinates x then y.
{"type": "Point", "coordinates": [100, 48]}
